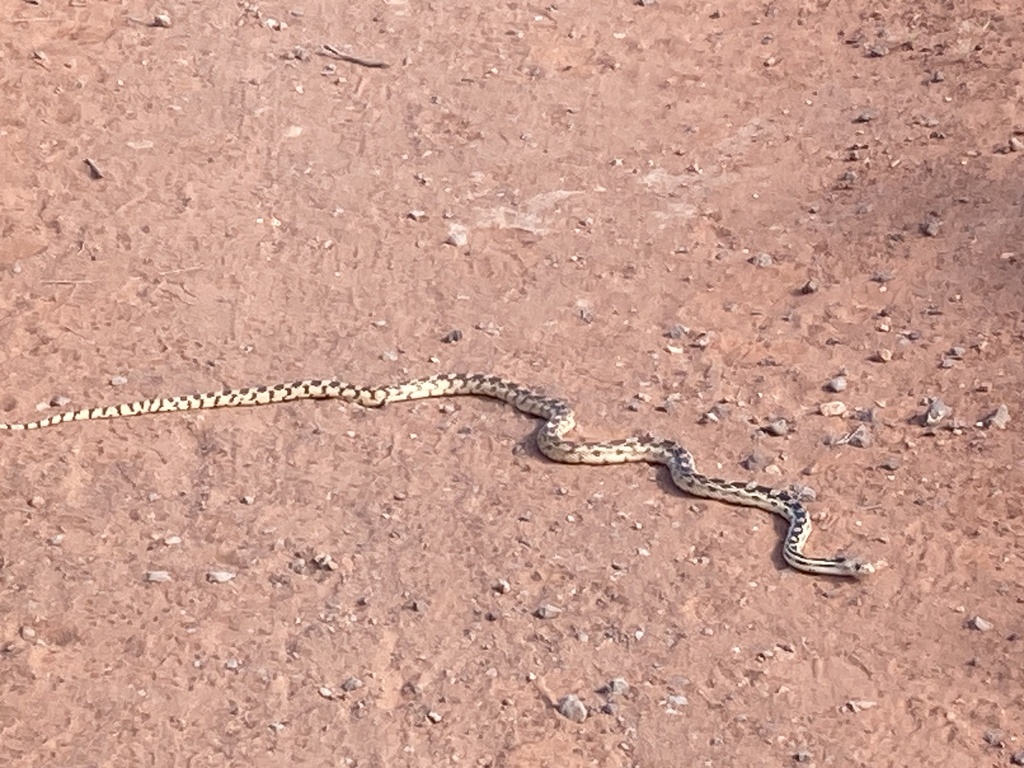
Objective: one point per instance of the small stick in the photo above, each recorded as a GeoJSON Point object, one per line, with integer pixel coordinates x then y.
{"type": "Point", "coordinates": [94, 169]}
{"type": "Point", "coordinates": [371, 63]}
{"type": "Point", "coordinates": [180, 270]}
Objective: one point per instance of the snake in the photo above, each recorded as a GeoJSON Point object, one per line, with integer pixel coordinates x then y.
{"type": "Point", "coordinates": [558, 421]}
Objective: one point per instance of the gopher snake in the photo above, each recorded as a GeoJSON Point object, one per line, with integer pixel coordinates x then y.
{"type": "Point", "coordinates": [558, 421]}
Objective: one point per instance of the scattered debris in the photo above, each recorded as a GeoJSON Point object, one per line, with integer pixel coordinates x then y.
{"type": "Point", "coordinates": [219, 577]}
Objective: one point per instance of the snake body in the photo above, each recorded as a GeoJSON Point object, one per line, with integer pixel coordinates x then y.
{"type": "Point", "coordinates": [559, 420]}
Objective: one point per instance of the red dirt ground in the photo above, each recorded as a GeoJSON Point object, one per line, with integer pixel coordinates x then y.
{"type": "Point", "coordinates": [618, 169]}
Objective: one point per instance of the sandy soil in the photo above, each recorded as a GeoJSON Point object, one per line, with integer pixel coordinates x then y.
{"type": "Point", "coordinates": [617, 170]}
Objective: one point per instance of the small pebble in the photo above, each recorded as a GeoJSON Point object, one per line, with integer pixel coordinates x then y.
{"type": "Point", "coordinates": [59, 401]}
{"type": "Point", "coordinates": [836, 384]}
{"type": "Point", "coordinates": [776, 428]}
{"type": "Point", "coordinates": [417, 215]}
{"type": "Point", "coordinates": [803, 756]}
{"type": "Point", "coordinates": [891, 464]}
{"type": "Point", "coordinates": [453, 336]}
{"type": "Point", "coordinates": [158, 576]}
{"type": "Point", "coordinates": [37, 502]}
{"type": "Point", "coordinates": [1017, 758]}
{"type": "Point", "coordinates": [754, 461]}
{"type": "Point", "coordinates": [703, 341]}
{"type": "Point", "coordinates": [994, 737]}
{"type": "Point", "coordinates": [883, 356]}
{"type": "Point", "coordinates": [352, 684]}
{"type": "Point", "coordinates": [324, 562]}
{"type": "Point", "coordinates": [860, 437]}
{"type": "Point", "coordinates": [761, 260]}
{"type": "Point", "coordinates": [998, 418]}
{"type": "Point", "coordinates": [937, 411]}
{"type": "Point", "coordinates": [458, 235]}
{"type": "Point", "coordinates": [219, 577]}
{"type": "Point", "coordinates": [502, 587]}
{"type": "Point", "coordinates": [434, 717]}
{"type": "Point", "coordinates": [979, 624]}
{"type": "Point", "coordinates": [865, 117]}
{"type": "Point", "coordinates": [27, 633]}
{"type": "Point", "coordinates": [118, 381]}
{"type": "Point", "coordinates": [326, 692]}
{"type": "Point", "coordinates": [677, 331]}
{"type": "Point", "coordinates": [571, 708]}
{"type": "Point", "coordinates": [811, 286]}
{"type": "Point", "coordinates": [833, 408]}
{"type": "Point", "coordinates": [930, 226]}
{"type": "Point", "coordinates": [617, 686]}
{"type": "Point", "coordinates": [162, 20]}
{"type": "Point", "coordinates": [677, 701]}
{"type": "Point", "coordinates": [232, 664]}
{"type": "Point", "coordinates": [248, 500]}
{"type": "Point", "coordinates": [1016, 144]}
{"type": "Point", "coordinates": [859, 705]}
{"type": "Point", "coordinates": [547, 611]}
